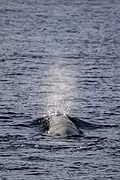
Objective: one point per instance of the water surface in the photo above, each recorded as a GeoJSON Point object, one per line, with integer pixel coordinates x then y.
{"type": "Point", "coordinates": [59, 56]}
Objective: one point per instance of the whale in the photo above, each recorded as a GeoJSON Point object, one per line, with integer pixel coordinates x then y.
{"type": "Point", "coordinates": [61, 125]}
{"type": "Point", "coordinates": [64, 125]}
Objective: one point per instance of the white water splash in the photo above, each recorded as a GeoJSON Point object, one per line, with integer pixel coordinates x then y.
{"type": "Point", "coordinates": [62, 86]}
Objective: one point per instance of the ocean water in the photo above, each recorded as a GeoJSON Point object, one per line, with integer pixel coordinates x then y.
{"type": "Point", "coordinates": [59, 56]}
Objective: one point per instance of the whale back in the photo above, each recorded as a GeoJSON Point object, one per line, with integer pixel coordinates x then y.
{"type": "Point", "coordinates": [61, 125]}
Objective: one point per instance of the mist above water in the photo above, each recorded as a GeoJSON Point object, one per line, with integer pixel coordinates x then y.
{"type": "Point", "coordinates": [62, 87]}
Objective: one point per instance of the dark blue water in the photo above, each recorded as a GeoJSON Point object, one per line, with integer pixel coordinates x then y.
{"type": "Point", "coordinates": [59, 56]}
